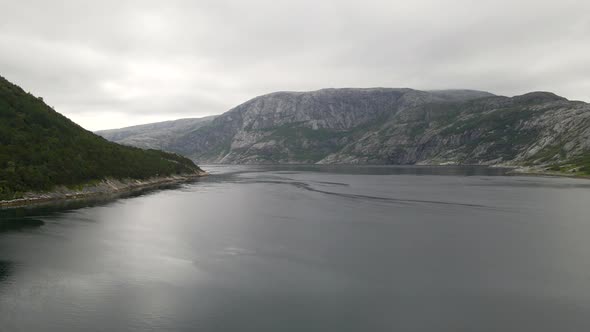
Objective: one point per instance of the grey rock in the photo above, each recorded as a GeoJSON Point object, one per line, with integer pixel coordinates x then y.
{"type": "Point", "coordinates": [154, 135]}
{"type": "Point", "coordinates": [382, 126]}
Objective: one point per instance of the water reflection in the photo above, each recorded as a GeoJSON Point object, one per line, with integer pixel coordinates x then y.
{"type": "Point", "coordinates": [301, 248]}
{"type": "Point", "coordinates": [5, 270]}
{"type": "Point", "coordinates": [12, 219]}
{"type": "Point", "coordinates": [19, 218]}
{"type": "Point", "coordinates": [19, 224]}
{"type": "Point", "coordinates": [363, 169]}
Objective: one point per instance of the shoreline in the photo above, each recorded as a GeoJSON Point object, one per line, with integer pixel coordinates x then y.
{"type": "Point", "coordinates": [105, 188]}
{"type": "Point", "coordinates": [114, 188]}
{"type": "Point", "coordinates": [511, 170]}
{"type": "Point", "coordinates": [528, 171]}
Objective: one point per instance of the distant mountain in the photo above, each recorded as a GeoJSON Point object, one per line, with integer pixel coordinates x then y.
{"type": "Point", "coordinates": [394, 126]}
{"type": "Point", "coordinates": [154, 135]}
{"type": "Point", "coordinates": [40, 149]}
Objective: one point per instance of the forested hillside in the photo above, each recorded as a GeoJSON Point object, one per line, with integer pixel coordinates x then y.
{"type": "Point", "coordinates": [40, 148]}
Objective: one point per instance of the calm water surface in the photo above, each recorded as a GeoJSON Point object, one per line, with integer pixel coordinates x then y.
{"type": "Point", "coordinates": [307, 248]}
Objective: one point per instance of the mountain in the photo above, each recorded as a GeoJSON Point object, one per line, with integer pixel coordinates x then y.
{"type": "Point", "coordinates": [395, 126]}
{"type": "Point", "coordinates": [154, 135]}
{"type": "Point", "coordinates": [41, 149]}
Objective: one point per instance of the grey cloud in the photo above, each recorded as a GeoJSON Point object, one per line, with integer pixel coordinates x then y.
{"type": "Point", "coordinates": [116, 63]}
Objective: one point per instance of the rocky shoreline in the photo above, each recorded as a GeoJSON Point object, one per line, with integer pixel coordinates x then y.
{"type": "Point", "coordinates": [535, 171]}
{"type": "Point", "coordinates": [107, 187]}
{"type": "Point", "coordinates": [114, 187]}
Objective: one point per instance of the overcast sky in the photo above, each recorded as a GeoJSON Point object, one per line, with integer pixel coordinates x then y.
{"type": "Point", "coordinates": [114, 63]}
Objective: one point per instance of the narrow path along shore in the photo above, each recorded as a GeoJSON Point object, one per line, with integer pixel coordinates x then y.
{"type": "Point", "coordinates": [103, 188]}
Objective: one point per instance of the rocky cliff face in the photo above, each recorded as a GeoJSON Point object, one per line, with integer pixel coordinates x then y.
{"type": "Point", "coordinates": [537, 128]}
{"type": "Point", "coordinates": [305, 127]}
{"type": "Point", "coordinates": [394, 126]}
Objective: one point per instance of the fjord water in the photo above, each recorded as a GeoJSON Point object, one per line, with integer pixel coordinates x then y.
{"type": "Point", "coordinates": [307, 248]}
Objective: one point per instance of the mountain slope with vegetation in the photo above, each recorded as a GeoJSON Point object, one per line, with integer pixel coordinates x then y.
{"type": "Point", "coordinates": [154, 135]}
{"type": "Point", "coordinates": [41, 149]}
{"type": "Point", "coordinates": [396, 126]}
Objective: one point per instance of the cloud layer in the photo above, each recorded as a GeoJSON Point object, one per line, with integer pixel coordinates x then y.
{"type": "Point", "coordinates": [112, 63]}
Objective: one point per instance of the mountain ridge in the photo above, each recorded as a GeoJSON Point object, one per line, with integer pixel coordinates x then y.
{"type": "Point", "coordinates": [395, 126]}
{"type": "Point", "coordinates": [158, 133]}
